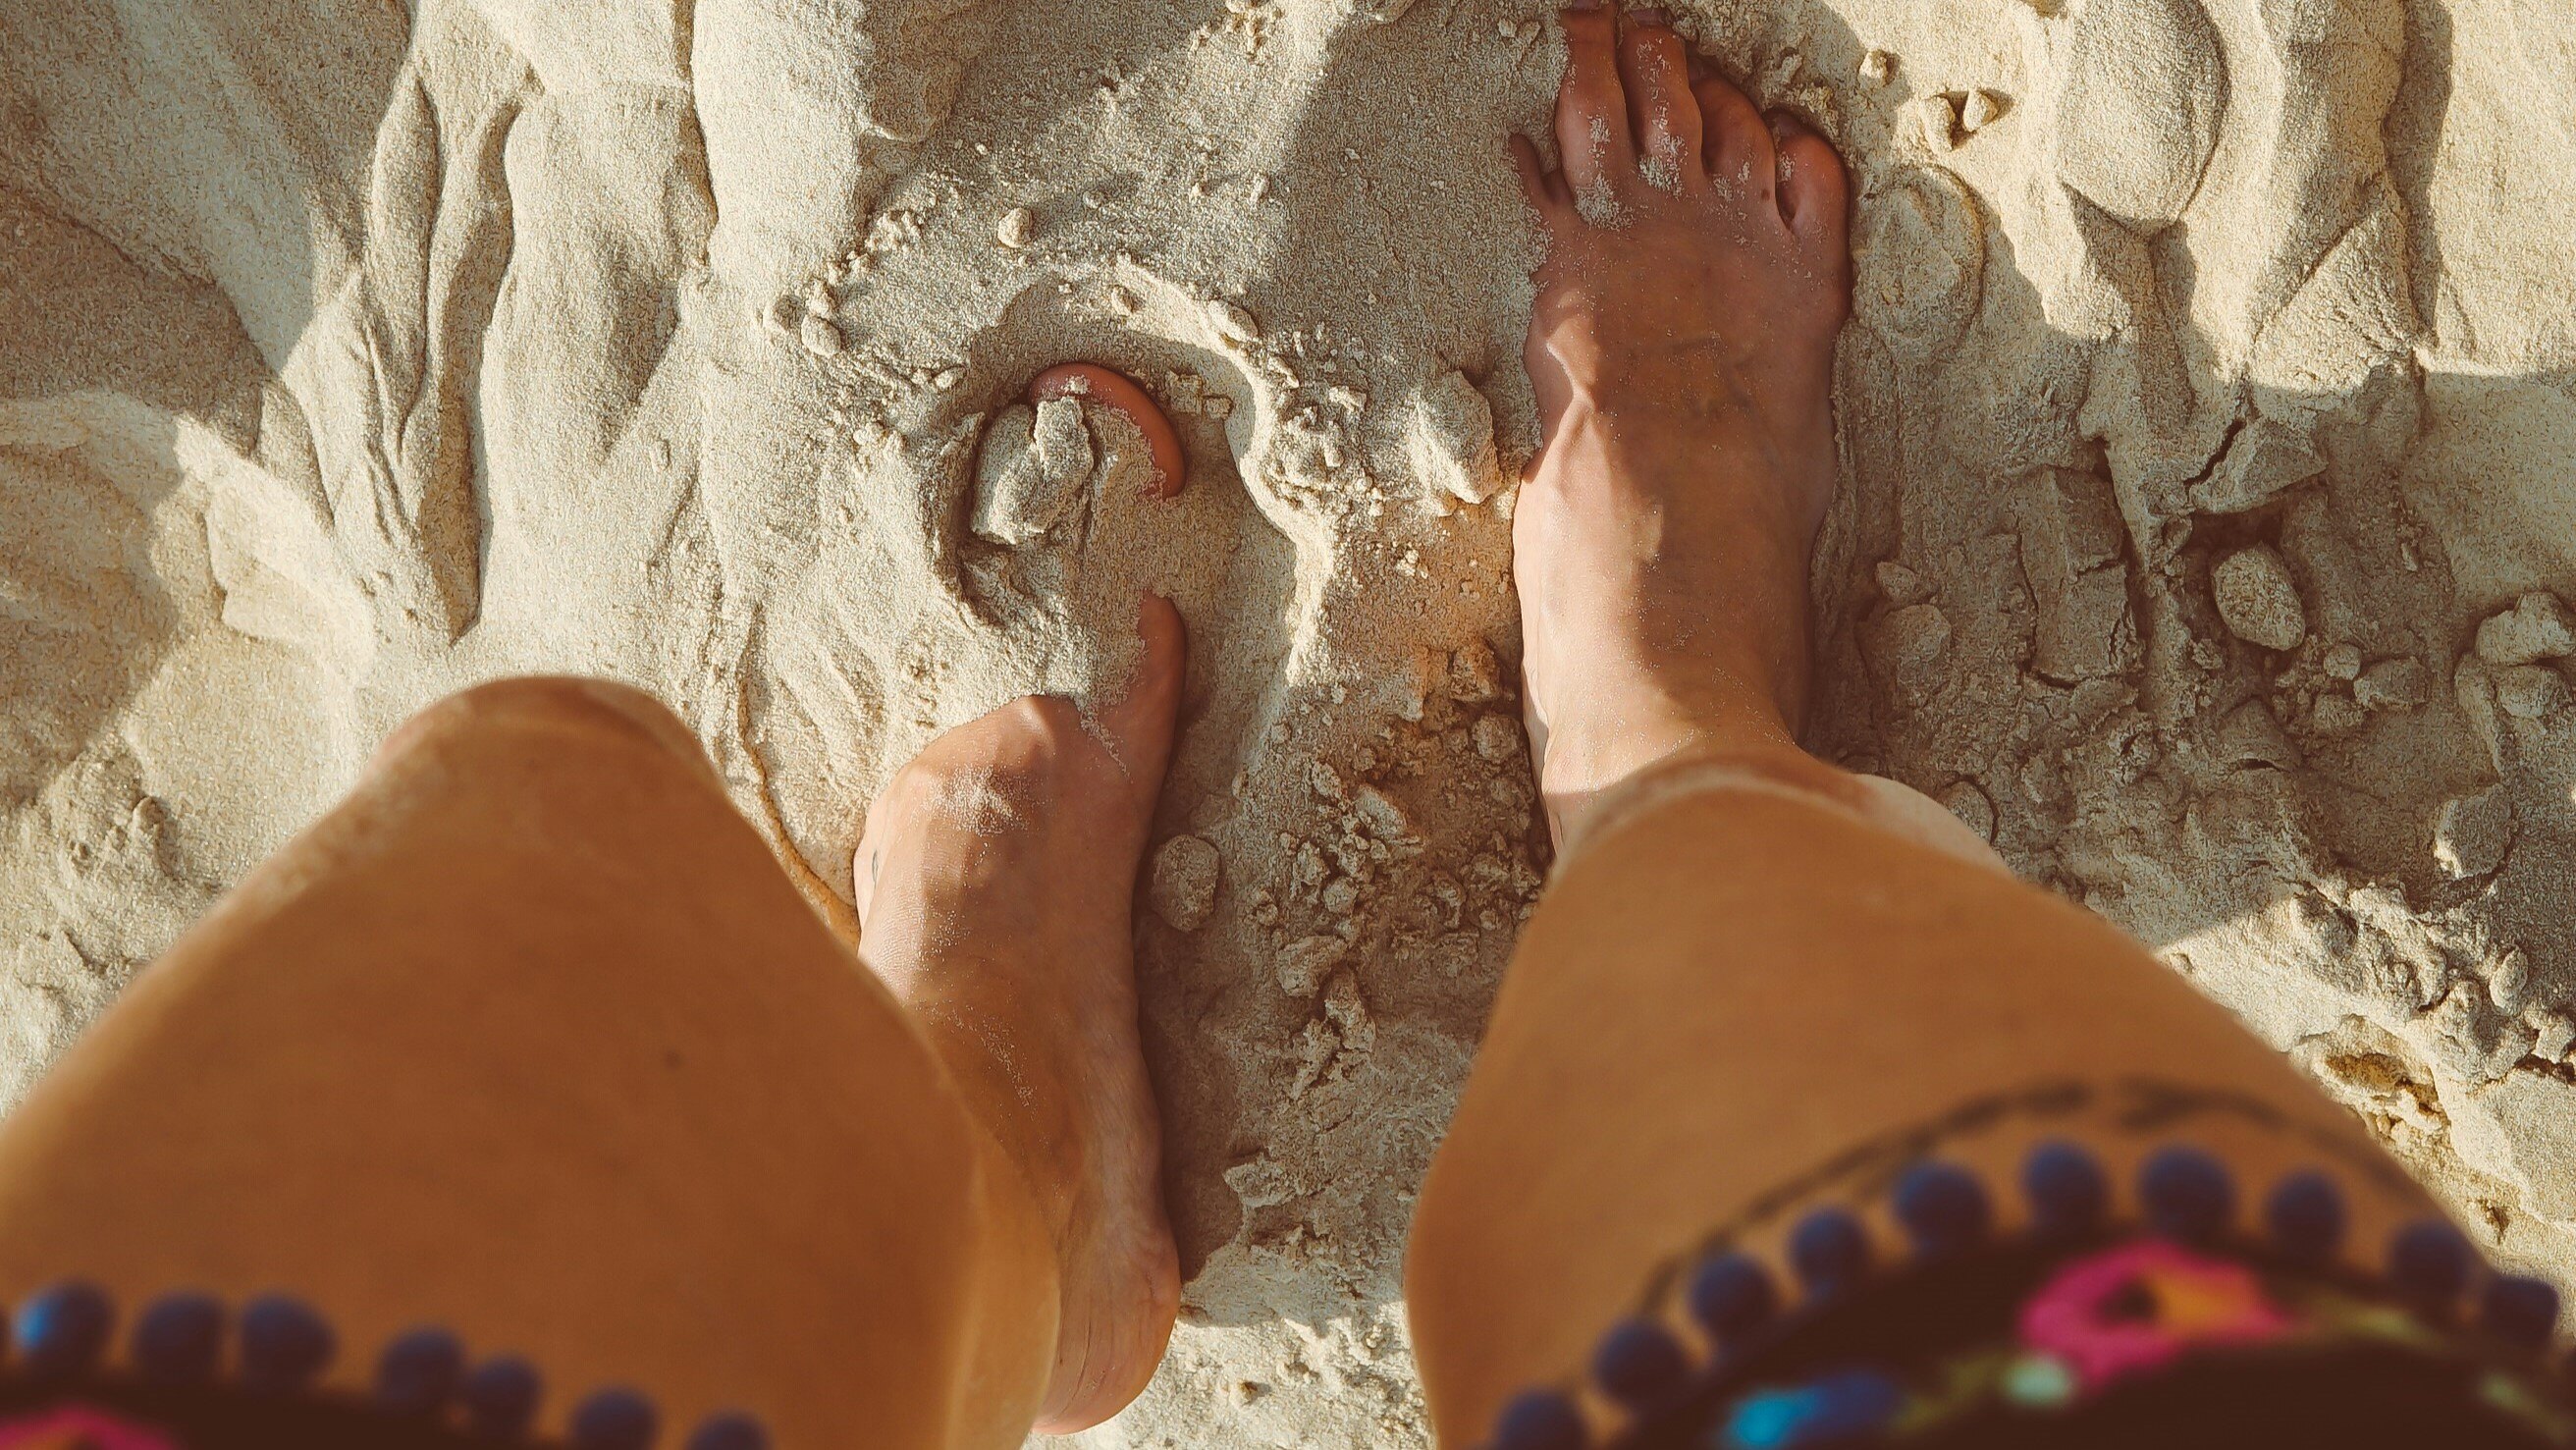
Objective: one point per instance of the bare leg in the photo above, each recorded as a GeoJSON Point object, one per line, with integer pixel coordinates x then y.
{"type": "Point", "coordinates": [532, 1039]}
{"type": "Point", "coordinates": [996, 879]}
{"type": "Point", "coordinates": [1751, 961]}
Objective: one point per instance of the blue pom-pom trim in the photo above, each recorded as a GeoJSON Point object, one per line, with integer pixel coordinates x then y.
{"type": "Point", "coordinates": [1943, 1207]}
{"type": "Point", "coordinates": [1540, 1420]}
{"type": "Point", "coordinates": [728, 1431]}
{"type": "Point", "coordinates": [2183, 1193]}
{"type": "Point", "coordinates": [284, 1344]}
{"type": "Point", "coordinates": [1830, 1250]}
{"type": "Point", "coordinates": [418, 1373]}
{"type": "Point", "coordinates": [1731, 1296]}
{"type": "Point", "coordinates": [2305, 1216]}
{"type": "Point", "coordinates": [2188, 1195]}
{"type": "Point", "coordinates": [1639, 1363]}
{"type": "Point", "coordinates": [501, 1396]}
{"type": "Point", "coordinates": [2429, 1264]}
{"type": "Point", "coordinates": [2523, 1311]}
{"type": "Point", "coordinates": [616, 1418]}
{"type": "Point", "coordinates": [62, 1331]}
{"type": "Point", "coordinates": [2066, 1187]}
{"type": "Point", "coordinates": [179, 1340]}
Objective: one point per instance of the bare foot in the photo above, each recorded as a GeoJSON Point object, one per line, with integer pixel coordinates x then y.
{"type": "Point", "coordinates": [1114, 389]}
{"type": "Point", "coordinates": [995, 881]}
{"type": "Point", "coordinates": [1682, 349]}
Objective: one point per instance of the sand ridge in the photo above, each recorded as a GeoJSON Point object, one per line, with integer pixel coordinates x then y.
{"type": "Point", "coordinates": [2207, 435]}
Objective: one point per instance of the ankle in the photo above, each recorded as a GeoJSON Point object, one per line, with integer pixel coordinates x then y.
{"type": "Point", "coordinates": [1019, 1100]}
{"type": "Point", "coordinates": [1741, 758]}
{"type": "Point", "coordinates": [1596, 755]}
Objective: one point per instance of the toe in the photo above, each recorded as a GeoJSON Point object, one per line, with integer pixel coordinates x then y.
{"type": "Point", "coordinates": [1093, 383]}
{"type": "Point", "coordinates": [1815, 196]}
{"type": "Point", "coordinates": [1654, 70]}
{"type": "Point", "coordinates": [1592, 133]}
{"type": "Point", "coordinates": [1737, 145]}
{"type": "Point", "coordinates": [1140, 726]}
{"type": "Point", "coordinates": [565, 706]}
{"type": "Point", "coordinates": [1544, 189]}
{"type": "Point", "coordinates": [865, 863]}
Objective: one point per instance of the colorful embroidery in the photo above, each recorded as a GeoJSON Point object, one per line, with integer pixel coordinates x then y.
{"type": "Point", "coordinates": [2126, 1312]}
{"type": "Point", "coordinates": [2158, 1309]}
{"type": "Point", "coordinates": [77, 1427]}
{"type": "Point", "coordinates": [2141, 1306]}
{"type": "Point", "coordinates": [1851, 1403]}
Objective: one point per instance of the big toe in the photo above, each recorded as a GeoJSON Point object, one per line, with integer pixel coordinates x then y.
{"type": "Point", "coordinates": [1141, 725]}
{"type": "Point", "coordinates": [1815, 195]}
{"type": "Point", "coordinates": [1107, 387]}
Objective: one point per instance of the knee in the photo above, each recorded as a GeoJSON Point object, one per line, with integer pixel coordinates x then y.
{"type": "Point", "coordinates": [1905, 811]}
{"type": "Point", "coordinates": [548, 704]}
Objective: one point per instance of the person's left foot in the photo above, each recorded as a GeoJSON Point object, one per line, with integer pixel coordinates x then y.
{"type": "Point", "coordinates": [995, 882]}
{"type": "Point", "coordinates": [1681, 349]}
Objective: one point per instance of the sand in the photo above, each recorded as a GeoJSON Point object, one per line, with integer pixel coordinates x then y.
{"type": "Point", "coordinates": [2209, 499]}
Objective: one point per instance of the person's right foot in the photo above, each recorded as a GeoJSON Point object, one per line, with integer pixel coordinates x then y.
{"type": "Point", "coordinates": [1682, 350]}
{"type": "Point", "coordinates": [994, 883]}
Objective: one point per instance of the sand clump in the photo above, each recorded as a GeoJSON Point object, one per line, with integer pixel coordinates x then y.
{"type": "Point", "coordinates": [2258, 600]}
{"type": "Point", "coordinates": [350, 353]}
{"type": "Point", "coordinates": [1181, 882]}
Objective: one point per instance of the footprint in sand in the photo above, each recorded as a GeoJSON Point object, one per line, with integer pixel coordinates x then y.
{"type": "Point", "coordinates": [1039, 459]}
{"type": "Point", "coordinates": [1075, 508]}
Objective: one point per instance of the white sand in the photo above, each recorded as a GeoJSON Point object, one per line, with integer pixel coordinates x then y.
{"type": "Point", "coordinates": [349, 354]}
